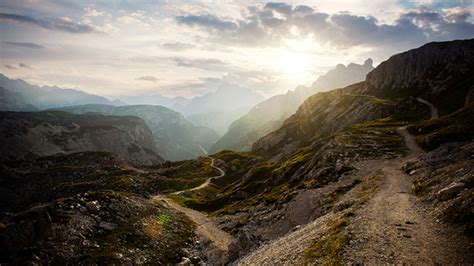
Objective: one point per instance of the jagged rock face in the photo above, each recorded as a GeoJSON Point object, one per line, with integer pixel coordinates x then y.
{"type": "Point", "coordinates": [47, 133]}
{"type": "Point", "coordinates": [441, 72]}
{"type": "Point", "coordinates": [402, 70]}
{"type": "Point", "coordinates": [178, 138]}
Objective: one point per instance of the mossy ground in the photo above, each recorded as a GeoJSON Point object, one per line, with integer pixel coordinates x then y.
{"type": "Point", "coordinates": [327, 250]}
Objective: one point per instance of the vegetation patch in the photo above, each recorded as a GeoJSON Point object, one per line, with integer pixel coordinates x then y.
{"type": "Point", "coordinates": [327, 250]}
{"type": "Point", "coordinates": [419, 187]}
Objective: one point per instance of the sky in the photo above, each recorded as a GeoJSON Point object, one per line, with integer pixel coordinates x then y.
{"type": "Point", "coordinates": [189, 48]}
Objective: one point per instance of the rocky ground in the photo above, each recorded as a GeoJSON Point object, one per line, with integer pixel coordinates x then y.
{"type": "Point", "coordinates": [86, 208]}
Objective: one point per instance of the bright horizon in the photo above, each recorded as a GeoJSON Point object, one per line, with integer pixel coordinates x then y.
{"type": "Point", "coordinates": [189, 48]}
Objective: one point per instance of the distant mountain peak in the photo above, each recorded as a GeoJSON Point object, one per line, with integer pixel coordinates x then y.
{"type": "Point", "coordinates": [35, 97]}
{"type": "Point", "coordinates": [369, 63]}
{"type": "Point", "coordinates": [342, 76]}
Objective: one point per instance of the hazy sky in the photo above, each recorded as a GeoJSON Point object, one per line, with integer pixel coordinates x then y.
{"type": "Point", "coordinates": [187, 48]}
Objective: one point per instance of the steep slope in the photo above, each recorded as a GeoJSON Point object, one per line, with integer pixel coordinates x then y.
{"type": "Point", "coordinates": [178, 138]}
{"type": "Point", "coordinates": [271, 113]}
{"type": "Point", "coordinates": [47, 133]}
{"type": "Point", "coordinates": [44, 97]}
{"type": "Point", "coordinates": [219, 121]}
{"type": "Point", "coordinates": [440, 73]}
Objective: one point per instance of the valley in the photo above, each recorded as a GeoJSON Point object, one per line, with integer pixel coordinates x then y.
{"type": "Point", "coordinates": [374, 171]}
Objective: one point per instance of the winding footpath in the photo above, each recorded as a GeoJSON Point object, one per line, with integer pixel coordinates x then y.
{"type": "Point", "coordinates": [207, 182]}
{"type": "Point", "coordinates": [393, 227]}
{"type": "Point", "coordinates": [205, 226]}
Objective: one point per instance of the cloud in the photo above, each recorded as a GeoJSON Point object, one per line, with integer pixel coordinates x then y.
{"type": "Point", "coordinates": [201, 63]}
{"type": "Point", "coordinates": [23, 65]}
{"type": "Point", "coordinates": [177, 46]}
{"type": "Point", "coordinates": [63, 24]}
{"type": "Point", "coordinates": [274, 22]}
{"type": "Point", "coordinates": [25, 45]}
{"type": "Point", "coordinates": [148, 78]}
{"type": "Point", "coordinates": [209, 21]}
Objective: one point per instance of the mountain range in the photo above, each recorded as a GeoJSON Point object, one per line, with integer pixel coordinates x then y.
{"type": "Point", "coordinates": [18, 95]}
{"type": "Point", "coordinates": [376, 172]}
{"type": "Point", "coordinates": [35, 134]}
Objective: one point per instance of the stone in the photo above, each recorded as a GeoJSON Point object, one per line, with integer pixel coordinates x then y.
{"type": "Point", "coordinates": [107, 226]}
{"type": "Point", "coordinates": [185, 262]}
{"type": "Point", "coordinates": [451, 191]}
{"type": "Point", "coordinates": [93, 206]}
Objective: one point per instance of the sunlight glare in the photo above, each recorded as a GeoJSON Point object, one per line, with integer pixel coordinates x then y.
{"type": "Point", "coordinates": [294, 63]}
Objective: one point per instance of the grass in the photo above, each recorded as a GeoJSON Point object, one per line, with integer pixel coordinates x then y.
{"type": "Point", "coordinates": [419, 187]}
{"type": "Point", "coordinates": [327, 249]}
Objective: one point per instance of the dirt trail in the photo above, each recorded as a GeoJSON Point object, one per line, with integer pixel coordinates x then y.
{"type": "Point", "coordinates": [205, 226]}
{"type": "Point", "coordinates": [207, 182]}
{"type": "Point", "coordinates": [410, 142]}
{"type": "Point", "coordinates": [433, 109]}
{"type": "Point", "coordinates": [393, 227]}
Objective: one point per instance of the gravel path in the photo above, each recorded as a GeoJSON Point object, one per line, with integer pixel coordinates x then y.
{"type": "Point", "coordinates": [394, 228]}
{"type": "Point", "coordinates": [433, 109]}
{"type": "Point", "coordinates": [204, 225]}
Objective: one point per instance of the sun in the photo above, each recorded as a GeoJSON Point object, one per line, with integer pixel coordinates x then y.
{"type": "Point", "coordinates": [293, 62]}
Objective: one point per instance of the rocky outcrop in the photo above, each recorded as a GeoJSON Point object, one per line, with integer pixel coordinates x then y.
{"type": "Point", "coordinates": [440, 72]}
{"type": "Point", "coordinates": [411, 67]}
{"type": "Point", "coordinates": [47, 133]}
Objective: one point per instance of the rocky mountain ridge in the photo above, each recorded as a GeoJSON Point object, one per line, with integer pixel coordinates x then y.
{"type": "Point", "coordinates": [29, 135]}
{"type": "Point", "coordinates": [19, 95]}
